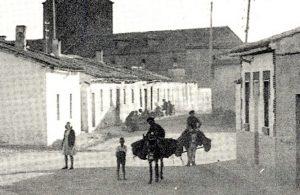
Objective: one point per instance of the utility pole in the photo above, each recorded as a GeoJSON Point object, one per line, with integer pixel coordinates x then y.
{"type": "Point", "coordinates": [247, 23]}
{"type": "Point", "coordinates": [54, 19]}
{"type": "Point", "coordinates": [211, 41]}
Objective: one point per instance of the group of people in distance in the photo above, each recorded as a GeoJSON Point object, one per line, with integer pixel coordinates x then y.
{"type": "Point", "coordinates": [190, 134]}
{"type": "Point", "coordinates": [136, 119]}
{"type": "Point", "coordinates": [168, 108]}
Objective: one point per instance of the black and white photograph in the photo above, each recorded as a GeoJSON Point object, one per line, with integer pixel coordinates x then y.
{"type": "Point", "coordinates": [150, 97]}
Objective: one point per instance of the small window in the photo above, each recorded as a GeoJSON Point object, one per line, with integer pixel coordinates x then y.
{"type": "Point", "coordinates": [111, 97]}
{"type": "Point", "coordinates": [93, 110]}
{"type": "Point", "coordinates": [157, 95]}
{"type": "Point", "coordinates": [168, 92]}
{"type": "Point", "coordinates": [141, 98]}
{"type": "Point", "coordinates": [57, 107]}
{"type": "Point", "coordinates": [132, 96]}
{"type": "Point", "coordinates": [247, 96]}
{"type": "Point", "coordinates": [143, 61]}
{"type": "Point", "coordinates": [70, 106]}
{"type": "Point", "coordinates": [101, 100]}
{"type": "Point", "coordinates": [124, 94]}
{"type": "Point", "coordinates": [266, 90]}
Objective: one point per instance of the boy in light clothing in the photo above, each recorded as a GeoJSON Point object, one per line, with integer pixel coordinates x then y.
{"type": "Point", "coordinates": [121, 151]}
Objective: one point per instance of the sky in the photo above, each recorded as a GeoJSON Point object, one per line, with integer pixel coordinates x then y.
{"type": "Point", "coordinates": [267, 17]}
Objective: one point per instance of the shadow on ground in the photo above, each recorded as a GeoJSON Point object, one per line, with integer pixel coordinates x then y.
{"type": "Point", "coordinates": [203, 179]}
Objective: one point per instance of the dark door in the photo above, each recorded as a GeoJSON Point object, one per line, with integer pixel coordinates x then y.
{"type": "Point", "coordinates": [118, 106]}
{"type": "Point", "coordinates": [298, 137]}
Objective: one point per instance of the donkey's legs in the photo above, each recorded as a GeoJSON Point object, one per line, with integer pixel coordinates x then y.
{"type": "Point", "coordinates": [156, 171]}
{"type": "Point", "coordinates": [150, 171]}
{"type": "Point", "coordinates": [161, 168]}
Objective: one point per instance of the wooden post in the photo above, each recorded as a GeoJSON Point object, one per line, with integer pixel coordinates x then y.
{"type": "Point", "coordinates": [54, 19]}
{"type": "Point", "coordinates": [211, 42]}
{"type": "Point", "coordinates": [247, 23]}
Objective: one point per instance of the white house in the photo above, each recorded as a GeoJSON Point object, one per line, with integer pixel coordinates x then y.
{"type": "Point", "coordinates": [39, 93]}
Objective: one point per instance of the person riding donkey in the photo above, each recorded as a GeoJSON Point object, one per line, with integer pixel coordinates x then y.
{"type": "Point", "coordinates": [193, 125]}
{"type": "Point", "coordinates": [155, 130]}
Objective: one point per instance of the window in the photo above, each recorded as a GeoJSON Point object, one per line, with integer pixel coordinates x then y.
{"type": "Point", "coordinates": [168, 92]}
{"type": "Point", "coordinates": [247, 96]}
{"type": "Point", "coordinates": [124, 94]}
{"type": "Point", "coordinates": [70, 105]}
{"type": "Point", "coordinates": [141, 98]}
{"type": "Point", "coordinates": [266, 78]}
{"type": "Point", "coordinates": [164, 93]}
{"type": "Point", "coordinates": [186, 92]}
{"type": "Point", "coordinates": [132, 96]}
{"type": "Point", "coordinates": [157, 95]}
{"type": "Point", "coordinates": [93, 110]}
{"type": "Point", "coordinates": [111, 97]}
{"type": "Point", "coordinates": [57, 107]}
{"type": "Point", "coordinates": [151, 98]}
{"type": "Point", "coordinates": [101, 100]}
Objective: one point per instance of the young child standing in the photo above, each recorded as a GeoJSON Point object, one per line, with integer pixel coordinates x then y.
{"type": "Point", "coordinates": [121, 158]}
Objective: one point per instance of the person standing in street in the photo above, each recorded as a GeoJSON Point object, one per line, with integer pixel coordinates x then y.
{"type": "Point", "coordinates": [68, 145]}
{"type": "Point", "coordinates": [121, 158]}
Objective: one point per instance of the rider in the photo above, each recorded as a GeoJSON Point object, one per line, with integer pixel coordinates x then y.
{"type": "Point", "coordinates": [155, 129]}
{"type": "Point", "coordinates": [193, 125]}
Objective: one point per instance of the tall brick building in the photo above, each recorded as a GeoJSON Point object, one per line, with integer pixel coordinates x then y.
{"type": "Point", "coordinates": [76, 20]}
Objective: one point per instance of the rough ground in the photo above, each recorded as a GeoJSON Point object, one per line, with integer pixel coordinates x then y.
{"type": "Point", "coordinates": [38, 171]}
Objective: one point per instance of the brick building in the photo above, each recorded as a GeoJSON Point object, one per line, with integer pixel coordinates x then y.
{"type": "Point", "coordinates": [268, 106]}
{"type": "Point", "coordinates": [76, 20]}
{"type": "Point", "coordinates": [180, 54]}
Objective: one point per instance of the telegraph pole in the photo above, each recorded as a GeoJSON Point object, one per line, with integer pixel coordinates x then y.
{"type": "Point", "coordinates": [247, 23]}
{"type": "Point", "coordinates": [54, 19]}
{"type": "Point", "coordinates": [211, 40]}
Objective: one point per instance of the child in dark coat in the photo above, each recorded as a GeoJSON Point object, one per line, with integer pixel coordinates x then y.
{"type": "Point", "coordinates": [121, 158]}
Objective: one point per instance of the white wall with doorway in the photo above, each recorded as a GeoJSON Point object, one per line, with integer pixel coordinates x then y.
{"type": "Point", "coordinates": [63, 103]}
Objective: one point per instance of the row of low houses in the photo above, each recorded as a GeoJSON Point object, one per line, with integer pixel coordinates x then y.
{"type": "Point", "coordinates": [268, 106]}
{"type": "Point", "coordinates": [39, 93]}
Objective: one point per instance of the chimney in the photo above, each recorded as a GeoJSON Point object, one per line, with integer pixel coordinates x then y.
{"type": "Point", "coordinates": [99, 56]}
{"type": "Point", "coordinates": [20, 42]}
{"type": "Point", "coordinates": [56, 47]}
{"type": "Point", "coordinates": [2, 38]}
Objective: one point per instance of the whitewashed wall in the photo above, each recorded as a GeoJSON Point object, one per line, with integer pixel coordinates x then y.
{"type": "Point", "coordinates": [185, 97]}
{"type": "Point", "coordinates": [64, 84]}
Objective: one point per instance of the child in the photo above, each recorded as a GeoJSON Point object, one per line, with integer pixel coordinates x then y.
{"type": "Point", "coordinates": [121, 158]}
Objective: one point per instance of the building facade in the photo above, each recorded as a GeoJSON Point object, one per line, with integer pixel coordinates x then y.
{"type": "Point", "coordinates": [85, 28]}
{"type": "Point", "coordinates": [268, 108]}
{"type": "Point", "coordinates": [41, 92]}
